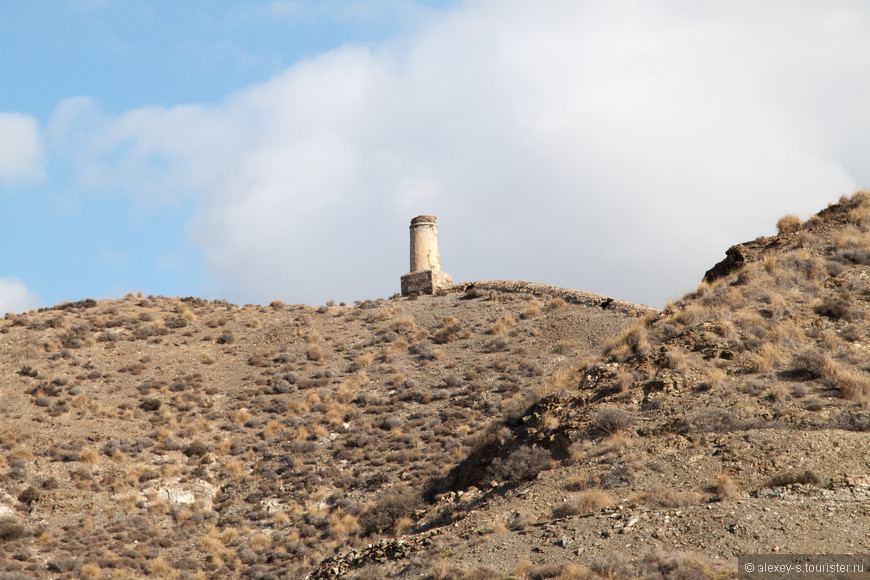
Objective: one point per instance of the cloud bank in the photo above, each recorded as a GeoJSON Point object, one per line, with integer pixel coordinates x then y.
{"type": "Point", "coordinates": [15, 297]}
{"type": "Point", "coordinates": [618, 148]}
{"type": "Point", "coordinates": [22, 158]}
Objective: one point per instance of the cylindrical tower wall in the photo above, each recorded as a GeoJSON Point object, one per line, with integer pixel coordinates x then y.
{"type": "Point", "coordinates": [424, 244]}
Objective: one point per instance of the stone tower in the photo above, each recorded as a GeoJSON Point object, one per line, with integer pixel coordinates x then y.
{"type": "Point", "coordinates": [425, 276]}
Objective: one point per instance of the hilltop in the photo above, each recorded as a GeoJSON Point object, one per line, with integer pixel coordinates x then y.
{"type": "Point", "coordinates": [734, 421]}
{"type": "Point", "coordinates": [167, 437]}
{"type": "Point", "coordinates": [499, 430]}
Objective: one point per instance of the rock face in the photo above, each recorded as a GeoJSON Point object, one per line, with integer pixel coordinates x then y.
{"type": "Point", "coordinates": [737, 256]}
{"type": "Point", "coordinates": [340, 565]}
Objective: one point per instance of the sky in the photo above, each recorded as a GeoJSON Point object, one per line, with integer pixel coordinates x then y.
{"type": "Point", "coordinates": [252, 151]}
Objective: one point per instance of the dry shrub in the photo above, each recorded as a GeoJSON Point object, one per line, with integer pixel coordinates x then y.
{"type": "Point", "coordinates": [788, 224]}
{"type": "Point", "coordinates": [791, 477]}
{"type": "Point", "coordinates": [836, 308]}
{"type": "Point", "coordinates": [853, 384]}
{"type": "Point", "coordinates": [580, 482]}
{"type": "Point", "coordinates": [814, 364]}
{"type": "Point", "coordinates": [726, 488]}
{"type": "Point", "coordinates": [860, 214]}
{"type": "Point", "coordinates": [526, 570]}
{"type": "Point", "coordinates": [242, 416]}
{"type": "Point", "coordinates": [666, 497]}
{"type": "Point", "coordinates": [520, 521]}
{"type": "Point", "coordinates": [260, 542]}
{"type": "Point", "coordinates": [612, 420]}
{"type": "Point", "coordinates": [855, 256]}
{"type": "Point", "coordinates": [275, 428]}
{"type": "Point", "coordinates": [9, 530]}
{"type": "Point", "coordinates": [341, 524]}
{"type": "Point", "coordinates": [502, 325]}
{"type": "Point", "coordinates": [451, 329]}
{"type": "Point", "coordinates": [406, 324]}
{"type": "Point", "coordinates": [522, 464]}
{"type": "Point", "coordinates": [384, 516]}
{"type": "Point", "coordinates": [90, 571]}
{"type": "Point", "coordinates": [365, 360]}
{"type": "Point", "coordinates": [20, 453]}
{"type": "Point", "coordinates": [561, 378]}
{"type": "Point", "coordinates": [555, 304]}
{"type": "Point", "coordinates": [625, 379]}
{"type": "Point", "coordinates": [532, 311]}
{"type": "Point", "coordinates": [715, 379]}
{"type": "Point", "coordinates": [586, 501]}
{"type": "Point", "coordinates": [676, 360]}
{"type": "Point", "coordinates": [160, 567]}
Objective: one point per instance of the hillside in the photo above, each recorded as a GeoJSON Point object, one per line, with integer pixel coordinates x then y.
{"type": "Point", "coordinates": [735, 421]}
{"type": "Point", "coordinates": [184, 438]}
{"type": "Point", "coordinates": [502, 430]}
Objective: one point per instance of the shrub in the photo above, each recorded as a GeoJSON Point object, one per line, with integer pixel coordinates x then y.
{"type": "Point", "coordinates": [587, 501]}
{"type": "Point", "coordinates": [28, 496]}
{"type": "Point", "coordinates": [196, 449]}
{"type": "Point", "coordinates": [451, 329]}
{"type": "Point", "coordinates": [383, 516]}
{"type": "Point", "coordinates": [502, 325]}
{"type": "Point", "coordinates": [365, 360]}
{"type": "Point", "coordinates": [788, 224]}
{"type": "Point", "coordinates": [835, 309]}
{"type": "Point", "coordinates": [226, 338]}
{"type": "Point", "coordinates": [10, 531]}
{"type": "Point", "coordinates": [63, 565]}
{"type": "Point", "coordinates": [522, 464]}
{"type": "Point", "coordinates": [611, 420]}
{"type": "Point", "coordinates": [855, 256]}
{"type": "Point", "coordinates": [666, 497]}
{"type": "Point", "coordinates": [792, 477]}
{"type": "Point", "coordinates": [726, 489]}
{"type": "Point", "coordinates": [500, 343]}
{"type": "Point", "coordinates": [813, 364]}
{"type": "Point", "coordinates": [532, 311]}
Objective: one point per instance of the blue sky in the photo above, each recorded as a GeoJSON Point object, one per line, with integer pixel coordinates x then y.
{"type": "Point", "coordinates": [277, 149]}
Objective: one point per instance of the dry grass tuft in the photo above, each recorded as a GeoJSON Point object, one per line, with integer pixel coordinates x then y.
{"type": "Point", "coordinates": [726, 488]}
{"type": "Point", "coordinates": [788, 224]}
{"type": "Point", "coordinates": [588, 500]}
{"type": "Point", "coordinates": [668, 498]}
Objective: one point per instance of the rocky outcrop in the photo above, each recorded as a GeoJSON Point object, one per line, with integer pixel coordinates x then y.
{"type": "Point", "coordinates": [386, 550]}
{"type": "Point", "coordinates": [566, 294]}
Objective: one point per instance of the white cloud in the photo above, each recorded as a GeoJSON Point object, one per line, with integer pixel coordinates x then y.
{"type": "Point", "coordinates": [614, 147]}
{"type": "Point", "coordinates": [21, 151]}
{"type": "Point", "coordinates": [15, 297]}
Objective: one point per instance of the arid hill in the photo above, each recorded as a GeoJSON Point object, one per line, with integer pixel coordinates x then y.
{"type": "Point", "coordinates": [735, 421]}
{"type": "Point", "coordinates": [503, 430]}
{"type": "Point", "coordinates": [184, 438]}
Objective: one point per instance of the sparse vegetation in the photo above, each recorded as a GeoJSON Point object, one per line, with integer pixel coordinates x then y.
{"type": "Point", "coordinates": [788, 224]}
{"type": "Point", "coordinates": [194, 438]}
{"type": "Point", "coordinates": [586, 501]}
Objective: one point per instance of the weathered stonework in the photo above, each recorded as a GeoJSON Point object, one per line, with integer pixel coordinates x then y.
{"type": "Point", "coordinates": [425, 282]}
{"type": "Point", "coordinates": [425, 276]}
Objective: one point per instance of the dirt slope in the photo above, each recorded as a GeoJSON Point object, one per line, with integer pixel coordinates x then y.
{"type": "Point", "coordinates": [166, 437]}
{"type": "Point", "coordinates": [734, 421]}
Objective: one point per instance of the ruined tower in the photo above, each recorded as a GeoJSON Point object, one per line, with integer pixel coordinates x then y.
{"type": "Point", "coordinates": [425, 276]}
